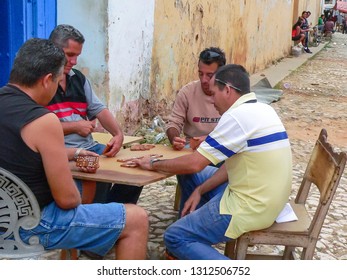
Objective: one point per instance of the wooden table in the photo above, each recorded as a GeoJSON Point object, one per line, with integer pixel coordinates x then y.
{"type": "Point", "coordinates": [103, 138]}
{"type": "Point", "coordinates": [111, 171]}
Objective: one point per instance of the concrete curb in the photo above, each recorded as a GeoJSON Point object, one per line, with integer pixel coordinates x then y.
{"type": "Point", "coordinates": [278, 72]}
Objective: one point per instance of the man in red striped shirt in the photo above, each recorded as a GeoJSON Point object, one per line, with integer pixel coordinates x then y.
{"type": "Point", "coordinates": [77, 107]}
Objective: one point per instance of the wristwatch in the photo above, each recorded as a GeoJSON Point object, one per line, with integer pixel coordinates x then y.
{"type": "Point", "coordinates": [153, 160]}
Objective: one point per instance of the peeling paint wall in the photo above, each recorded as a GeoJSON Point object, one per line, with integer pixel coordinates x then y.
{"type": "Point", "coordinates": [253, 33]}
{"type": "Point", "coordinates": [89, 17]}
{"type": "Point", "coordinates": [130, 52]}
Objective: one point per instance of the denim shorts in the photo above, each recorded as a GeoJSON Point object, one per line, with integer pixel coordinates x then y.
{"type": "Point", "coordinates": [93, 227]}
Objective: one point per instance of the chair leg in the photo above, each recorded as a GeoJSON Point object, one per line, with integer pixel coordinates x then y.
{"type": "Point", "coordinates": [63, 254]}
{"type": "Point", "coordinates": [307, 253]}
{"type": "Point", "coordinates": [229, 250]}
{"type": "Point", "coordinates": [288, 253]}
{"type": "Point", "coordinates": [177, 197]}
{"type": "Point", "coordinates": [241, 248]}
{"type": "Point", "coordinates": [69, 254]}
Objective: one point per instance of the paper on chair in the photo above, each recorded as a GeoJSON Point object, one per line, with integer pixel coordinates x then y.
{"type": "Point", "coordinates": [286, 215]}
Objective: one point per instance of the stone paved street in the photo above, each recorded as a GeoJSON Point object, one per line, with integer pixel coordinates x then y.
{"type": "Point", "coordinates": [315, 97]}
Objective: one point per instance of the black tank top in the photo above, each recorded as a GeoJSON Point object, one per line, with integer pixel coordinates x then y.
{"type": "Point", "coordinates": [16, 110]}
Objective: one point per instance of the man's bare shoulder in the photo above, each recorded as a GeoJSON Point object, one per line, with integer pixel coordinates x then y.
{"type": "Point", "coordinates": [43, 130]}
{"type": "Point", "coordinates": [46, 123]}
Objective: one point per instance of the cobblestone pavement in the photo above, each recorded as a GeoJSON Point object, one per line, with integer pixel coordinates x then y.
{"type": "Point", "coordinates": [315, 96]}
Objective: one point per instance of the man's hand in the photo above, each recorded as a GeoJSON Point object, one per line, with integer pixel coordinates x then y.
{"type": "Point", "coordinates": [178, 143]}
{"type": "Point", "coordinates": [196, 141]}
{"type": "Point", "coordinates": [143, 163]}
{"type": "Point", "coordinates": [113, 146]}
{"type": "Point", "coordinates": [84, 128]}
{"type": "Point", "coordinates": [192, 202]}
{"type": "Point", "coordinates": [88, 169]}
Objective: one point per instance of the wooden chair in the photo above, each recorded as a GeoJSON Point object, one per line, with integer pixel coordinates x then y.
{"type": "Point", "coordinates": [19, 209]}
{"type": "Point", "coordinates": [324, 171]}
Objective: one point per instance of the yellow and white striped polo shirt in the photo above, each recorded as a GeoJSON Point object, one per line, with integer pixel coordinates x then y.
{"type": "Point", "coordinates": [253, 142]}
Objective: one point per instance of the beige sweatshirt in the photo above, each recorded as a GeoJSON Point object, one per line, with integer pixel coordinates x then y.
{"type": "Point", "coordinates": [193, 111]}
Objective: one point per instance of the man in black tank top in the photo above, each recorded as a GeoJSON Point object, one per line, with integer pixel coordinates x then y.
{"type": "Point", "coordinates": [32, 147]}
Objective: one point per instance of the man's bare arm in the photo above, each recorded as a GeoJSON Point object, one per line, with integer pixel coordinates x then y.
{"type": "Point", "coordinates": [108, 121]}
{"type": "Point", "coordinates": [172, 133]}
{"type": "Point", "coordinates": [45, 136]}
{"type": "Point", "coordinates": [82, 127]}
{"type": "Point", "coordinates": [177, 142]}
{"type": "Point", "coordinates": [186, 164]}
{"type": "Point", "coordinates": [218, 178]}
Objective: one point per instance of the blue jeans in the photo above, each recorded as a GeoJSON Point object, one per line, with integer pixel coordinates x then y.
{"type": "Point", "coordinates": [192, 237]}
{"type": "Point", "coordinates": [189, 182]}
{"type": "Point", "coordinates": [93, 227]}
{"type": "Point", "coordinates": [106, 192]}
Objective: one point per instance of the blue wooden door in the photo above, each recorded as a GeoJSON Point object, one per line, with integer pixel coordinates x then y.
{"type": "Point", "coordinates": [21, 20]}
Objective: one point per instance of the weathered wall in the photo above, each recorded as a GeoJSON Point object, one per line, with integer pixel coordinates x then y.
{"type": "Point", "coordinates": [252, 33]}
{"type": "Point", "coordinates": [130, 52]}
{"type": "Point", "coordinates": [138, 54]}
{"type": "Point", "coordinates": [90, 17]}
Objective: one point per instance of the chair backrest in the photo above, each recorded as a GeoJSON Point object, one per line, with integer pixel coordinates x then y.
{"type": "Point", "coordinates": [324, 171]}
{"type": "Point", "coordinates": [18, 209]}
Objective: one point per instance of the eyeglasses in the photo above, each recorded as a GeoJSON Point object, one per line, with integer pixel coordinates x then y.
{"type": "Point", "coordinates": [208, 55]}
{"type": "Point", "coordinates": [227, 84]}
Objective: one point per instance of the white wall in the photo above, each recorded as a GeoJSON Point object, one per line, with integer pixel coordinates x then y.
{"type": "Point", "coordinates": [131, 27]}
{"type": "Point", "coordinates": [116, 56]}
{"type": "Point", "coordinates": [89, 17]}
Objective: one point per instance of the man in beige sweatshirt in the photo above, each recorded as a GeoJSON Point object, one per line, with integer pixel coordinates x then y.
{"type": "Point", "coordinates": [195, 115]}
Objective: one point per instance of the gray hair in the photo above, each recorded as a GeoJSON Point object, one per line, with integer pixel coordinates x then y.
{"type": "Point", "coordinates": [63, 33]}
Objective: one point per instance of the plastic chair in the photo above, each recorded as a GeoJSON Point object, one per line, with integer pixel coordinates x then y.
{"type": "Point", "coordinates": [19, 209]}
{"type": "Point", "coordinates": [324, 171]}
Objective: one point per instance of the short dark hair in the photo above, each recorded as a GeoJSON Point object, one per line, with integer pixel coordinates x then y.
{"type": "Point", "coordinates": [212, 55]}
{"type": "Point", "coordinates": [233, 74]}
{"type": "Point", "coordinates": [298, 23]}
{"type": "Point", "coordinates": [35, 59]}
{"type": "Point", "coordinates": [62, 33]}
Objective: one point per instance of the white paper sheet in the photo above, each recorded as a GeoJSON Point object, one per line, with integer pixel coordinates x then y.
{"type": "Point", "coordinates": [286, 215]}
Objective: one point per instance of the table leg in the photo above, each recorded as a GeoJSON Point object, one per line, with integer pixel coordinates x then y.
{"type": "Point", "coordinates": [88, 191]}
